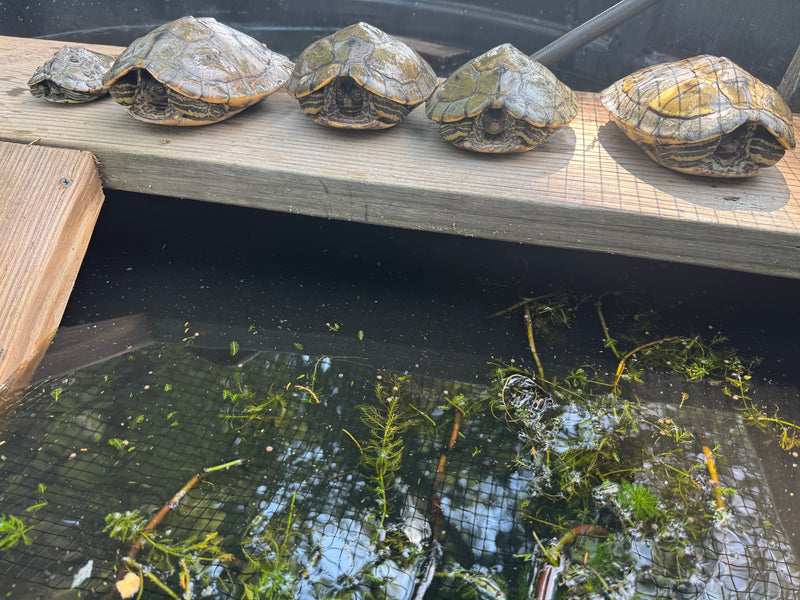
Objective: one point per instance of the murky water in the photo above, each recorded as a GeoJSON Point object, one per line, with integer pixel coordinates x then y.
{"type": "Point", "coordinates": [126, 434]}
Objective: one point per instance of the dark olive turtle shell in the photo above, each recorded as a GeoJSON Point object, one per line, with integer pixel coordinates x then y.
{"type": "Point", "coordinates": [394, 76]}
{"type": "Point", "coordinates": [703, 115]}
{"type": "Point", "coordinates": [74, 74]}
{"type": "Point", "coordinates": [501, 101]}
{"type": "Point", "coordinates": [207, 71]}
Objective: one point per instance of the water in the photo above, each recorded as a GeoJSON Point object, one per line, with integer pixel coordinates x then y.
{"type": "Point", "coordinates": [290, 290]}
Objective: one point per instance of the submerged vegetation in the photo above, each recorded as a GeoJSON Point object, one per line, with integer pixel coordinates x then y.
{"type": "Point", "coordinates": [386, 421]}
{"type": "Point", "coordinates": [617, 499]}
{"type": "Point", "coordinates": [12, 531]}
{"type": "Point", "coordinates": [271, 573]}
{"type": "Point", "coordinates": [596, 494]}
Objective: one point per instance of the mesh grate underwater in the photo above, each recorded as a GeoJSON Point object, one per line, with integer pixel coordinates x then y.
{"type": "Point", "coordinates": [300, 517]}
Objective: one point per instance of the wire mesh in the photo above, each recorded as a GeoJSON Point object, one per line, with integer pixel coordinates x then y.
{"type": "Point", "coordinates": [127, 434]}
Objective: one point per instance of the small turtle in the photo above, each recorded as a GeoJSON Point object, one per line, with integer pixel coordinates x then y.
{"type": "Point", "coordinates": [501, 101]}
{"type": "Point", "coordinates": [194, 72]}
{"type": "Point", "coordinates": [703, 115]}
{"type": "Point", "coordinates": [360, 78]}
{"type": "Point", "coordinates": [73, 75]}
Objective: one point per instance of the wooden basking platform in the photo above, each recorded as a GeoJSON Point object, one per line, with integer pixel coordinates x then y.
{"type": "Point", "coordinates": [49, 202]}
{"type": "Point", "coordinates": [587, 188]}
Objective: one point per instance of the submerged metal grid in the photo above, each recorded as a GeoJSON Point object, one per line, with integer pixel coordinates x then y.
{"type": "Point", "coordinates": [167, 404]}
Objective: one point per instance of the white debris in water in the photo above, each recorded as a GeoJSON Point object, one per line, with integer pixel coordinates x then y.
{"type": "Point", "coordinates": [83, 574]}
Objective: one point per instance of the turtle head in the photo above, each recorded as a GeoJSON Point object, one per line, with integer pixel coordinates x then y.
{"type": "Point", "coordinates": [493, 121]}
{"type": "Point", "coordinates": [349, 96]}
{"type": "Point", "coordinates": [150, 92]}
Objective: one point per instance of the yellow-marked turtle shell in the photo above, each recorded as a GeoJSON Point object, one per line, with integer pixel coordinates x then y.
{"type": "Point", "coordinates": [74, 74]}
{"type": "Point", "coordinates": [501, 101]}
{"type": "Point", "coordinates": [703, 115]}
{"type": "Point", "coordinates": [395, 77]}
{"type": "Point", "coordinates": [209, 72]}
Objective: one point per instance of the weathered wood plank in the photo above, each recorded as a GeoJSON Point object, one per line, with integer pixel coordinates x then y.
{"type": "Point", "coordinates": [588, 187]}
{"type": "Point", "coordinates": [49, 202]}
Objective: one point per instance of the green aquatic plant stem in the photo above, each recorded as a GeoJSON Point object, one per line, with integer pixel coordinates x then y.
{"type": "Point", "coordinates": [350, 435]}
{"type": "Point", "coordinates": [531, 342]}
{"type": "Point", "coordinates": [524, 302]}
{"type": "Point", "coordinates": [233, 463]}
{"type": "Point", "coordinates": [422, 414]}
{"type": "Point", "coordinates": [610, 342]}
{"type": "Point", "coordinates": [753, 415]}
{"type": "Point", "coordinates": [159, 584]}
{"type": "Point", "coordinates": [624, 359]}
{"type": "Point", "coordinates": [289, 521]}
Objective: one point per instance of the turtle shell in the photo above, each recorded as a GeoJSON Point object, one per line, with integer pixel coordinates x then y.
{"type": "Point", "coordinates": [193, 72]}
{"type": "Point", "coordinates": [393, 77]}
{"type": "Point", "coordinates": [501, 101]}
{"type": "Point", "coordinates": [703, 115]}
{"type": "Point", "coordinates": [74, 74]}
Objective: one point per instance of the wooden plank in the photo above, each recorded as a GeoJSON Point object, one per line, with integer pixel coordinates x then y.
{"type": "Point", "coordinates": [49, 202]}
{"type": "Point", "coordinates": [588, 187]}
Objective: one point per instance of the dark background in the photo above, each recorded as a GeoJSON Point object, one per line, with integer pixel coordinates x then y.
{"type": "Point", "coordinates": [761, 37]}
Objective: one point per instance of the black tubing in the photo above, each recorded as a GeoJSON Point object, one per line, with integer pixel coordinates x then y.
{"type": "Point", "coordinates": [791, 79]}
{"type": "Point", "coordinates": [591, 29]}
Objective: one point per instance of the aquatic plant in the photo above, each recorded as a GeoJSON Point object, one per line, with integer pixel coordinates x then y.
{"type": "Point", "coordinates": [239, 392]}
{"type": "Point", "coordinates": [593, 456]}
{"type": "Point", "coordinates": [273, 574]}
{"type": "Point", "coordinates": [469, 584]}
{"type": "Point", "coordinates": [12, 531]}
{"type": "Point", "coordinates": [737, 387]}
{"type": "Point", "coordinates": [543, 312]}
{"type": "Point", "coordinates": [163, 554]}
{"type": "Point", "coordinates": [386, 421]}
{"type": "Point", "coordinates": [160, 552]}
{"type": "Point", "coordinates": [311, 389]}
{"type": "Point", "coordinates": [255, 413]}
{"type": "Point", "coordinates": [636, 500]}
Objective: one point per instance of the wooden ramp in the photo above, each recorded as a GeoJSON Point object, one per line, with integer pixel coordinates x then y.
{"type": "Point", "coordinates": [49, 202]}
{"type": "Point", "coordinates": [588, 187]}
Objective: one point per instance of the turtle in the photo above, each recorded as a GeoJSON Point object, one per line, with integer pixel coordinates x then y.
{"type": "Point", "coordinates": [194, 71]}
{"type": "Point", "coordinates": [360, 78]}
{"type": "Point", "coordinates": [703, 115]}
{"type": "Point", "coordinates": [501, 101]}
{"type": "Point", "coordinates": [74, 74]}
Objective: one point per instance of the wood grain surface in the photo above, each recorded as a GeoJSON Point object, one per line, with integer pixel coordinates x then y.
{"type": "Point", "coordinates": [588, 187]}
{"type": "Point", "coordinates": [49, 202]}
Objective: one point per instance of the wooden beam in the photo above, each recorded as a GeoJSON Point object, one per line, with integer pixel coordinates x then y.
{"type": "Point", "coordinates": [588, 187]}
{"type": "Point", "coordinates": [49, 202]}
